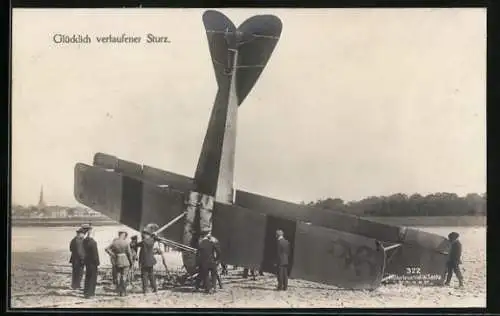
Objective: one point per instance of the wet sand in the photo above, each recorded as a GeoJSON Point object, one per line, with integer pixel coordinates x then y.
{"type": "Point", "coordinates": [40, 277]}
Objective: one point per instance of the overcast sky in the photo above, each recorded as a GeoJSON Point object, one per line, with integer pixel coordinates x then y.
{"type": "Point", "coordinates": [353, 102]}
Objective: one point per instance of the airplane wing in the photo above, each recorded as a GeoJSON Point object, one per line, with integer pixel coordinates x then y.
{"type": "Point", "coordinates": [129, 200]}
{"type": "Point", "coordinates": [150, 174]}
{"type": "Point", "coordinates": [247, 236]}
{"type": "Point", "coordinates": [421, 250]}
{"type": "Point", "coordinates": [318, 254]}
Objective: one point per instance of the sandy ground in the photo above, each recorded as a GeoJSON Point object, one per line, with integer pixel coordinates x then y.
{"type": "Point", "coordinates": [40, 277]}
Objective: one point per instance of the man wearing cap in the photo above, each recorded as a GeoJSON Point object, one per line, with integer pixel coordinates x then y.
{"type": "Point", "coordinates": [147, 260]}
{"type": "Point", "coordinates": [282, 258]}
{"type": "Point", "coordinates": [91, 263]}
{"type": "Point", "coordinates": [122, 255]}
{"type": "Point", "coordinates": [112, 258]}
{"type": "Point", "coordinates": [77, 259]}
{"type": "Point", "coordinates": [454, 259]}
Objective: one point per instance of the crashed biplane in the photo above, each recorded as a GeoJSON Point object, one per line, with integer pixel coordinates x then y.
{"type": "Point", "coordinates": [326, 246]}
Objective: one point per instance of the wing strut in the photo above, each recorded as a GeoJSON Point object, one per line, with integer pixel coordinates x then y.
{"type": "Point", "coordinates": [172, 222]}
{"type": "Point", "coordinates": [172, 243]}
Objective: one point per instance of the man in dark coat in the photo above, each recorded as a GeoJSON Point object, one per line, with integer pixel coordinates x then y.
{"type": "Point", "coordinates": [91, 264]}
{"type": "Point", "coordinates": [147, 261]}
{"type": "Point", "coordinates": [217, 258]}
{"type": "Point", "coordinates": [206, 254]}
{"type": "Point", "coordinates": [454, 260]}
{"type": "Point", "coordinates": [282, 260]}
{"type": "Point", "coordinates": [77, 259]}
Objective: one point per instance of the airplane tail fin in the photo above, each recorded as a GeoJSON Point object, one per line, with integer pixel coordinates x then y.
{"type": "Point", "coordinates": [238, 56]}
{"type": "Point", "coordinates": [255, 41]}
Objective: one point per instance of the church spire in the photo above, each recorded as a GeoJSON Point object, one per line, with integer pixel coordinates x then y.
{"type": "Point", "coordinates": [41, 202]}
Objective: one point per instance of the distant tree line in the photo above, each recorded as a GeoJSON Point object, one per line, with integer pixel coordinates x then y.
{"type": "Point", "coordinates": [437, 204]}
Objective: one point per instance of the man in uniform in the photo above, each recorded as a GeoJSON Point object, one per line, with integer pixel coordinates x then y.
{"type": "Point", "coordinates": [122, 255]}
{"type": "Point", "coordinates": [77, 259]}
{"type": "Point", "coordinates": [282, 256]}
{"type": "Point", "coordinates": [112, 259]}
{"type": "Point", "coordinates": [207, 263]}
{"type": "Point", "coordinates": [147, 260]}
{"type": "Point", "coordinates": [91, 263]}
{"type": "Point", "coordinates": [454, 260]}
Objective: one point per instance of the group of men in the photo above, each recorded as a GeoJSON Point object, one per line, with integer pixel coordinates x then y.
{"type": "Point", "coordinates": [123, 254]}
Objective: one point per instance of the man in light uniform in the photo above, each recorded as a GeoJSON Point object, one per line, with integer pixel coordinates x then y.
{"type": "Point", "coordinates": [122, 255]}
{"type": "Point", "coordinates": [114, 274]}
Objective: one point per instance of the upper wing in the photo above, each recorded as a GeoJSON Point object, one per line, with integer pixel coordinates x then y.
{"type": "Point", "coordinates": [150, 174]}
{"type": "Point", "coordinates": [129, 200]}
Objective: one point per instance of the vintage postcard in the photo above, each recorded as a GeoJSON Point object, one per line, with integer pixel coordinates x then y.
{"type": "Point", "coordinates": [248, 158]}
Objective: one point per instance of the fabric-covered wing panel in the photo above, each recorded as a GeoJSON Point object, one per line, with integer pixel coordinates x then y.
{"type": "Point", "coordinates": [240, 233]}
{"type": "Point", "coordinates": [160, 206]}
{"type": "Point", "coordinates": [338, 258]}
{"type": "Point", "coordinates": [99, 189]}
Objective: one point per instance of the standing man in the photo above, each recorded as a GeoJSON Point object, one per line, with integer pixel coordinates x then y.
{"type": "Point", "coordinates": [77, 259]}
{"type": "Point", "coordinates": [217, 258]}
{"type": "Point", "coordinates": [91, 263]}
{"type": "Point", "coordinates": [135, 249]}
{"type": "Point", "coordinates": [112, 259]}
{"type": "Point", "coordinates": [147, 261]}
{"type": "Point", "coordinates": [121, 253]}
{"type": "Point", "coordinates": [454, 260]}
{"type": "Point", "coordinates": [283, 253]}
{"type": "Point", "coordinates": [206, 264]}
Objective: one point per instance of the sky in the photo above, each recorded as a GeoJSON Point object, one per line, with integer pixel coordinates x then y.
{"type": "Point", "coordinates": [353, 102]}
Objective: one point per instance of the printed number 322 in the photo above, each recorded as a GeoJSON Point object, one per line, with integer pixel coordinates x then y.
{"type": "Point", "coordinates": [413, 270]}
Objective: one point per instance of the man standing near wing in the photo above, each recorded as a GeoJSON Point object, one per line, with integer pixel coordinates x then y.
{"type": "Point", "coordinates": [112, 259]}
{"type": "Point", "coordinates": [282, 258]}
{"type": "Point", "coordinates": [91, 263]}
{"type": "Point", "coordinates": [454, 260]}
{"type": "Point", "coordinates": [147, 260]}
{"type": "Point", "coordinates": [77, 259]}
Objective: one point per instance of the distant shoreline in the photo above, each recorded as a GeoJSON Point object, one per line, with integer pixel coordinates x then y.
{"type": "Point", "coordinates": [452, 221]}
{"type": "Point", "coordinates": [57, 222]}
